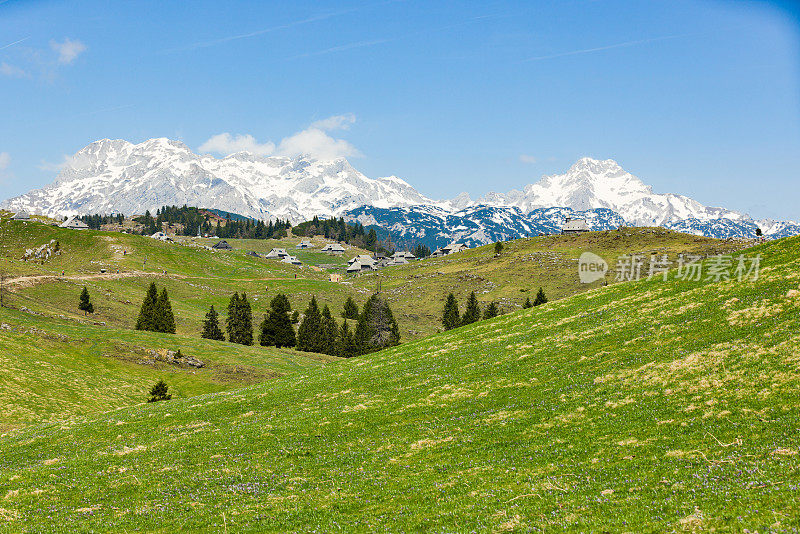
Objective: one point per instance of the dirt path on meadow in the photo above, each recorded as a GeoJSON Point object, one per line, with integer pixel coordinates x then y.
{"type": "Point", "coordinates": [31, 280]}
{"type": "Point", "coordinates": [34, 279]}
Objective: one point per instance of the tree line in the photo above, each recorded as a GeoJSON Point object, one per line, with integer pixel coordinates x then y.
{"type": "Point", "coordinates": [94, 222]}
{"type": "Point", "coordinates": [318, 331]}
{"type": "Point", "coordinates": [451, 317]}
{"type": "Point", "coordinates": [337, 229]}
{"type": "Point", "coordinates": [194, 221]}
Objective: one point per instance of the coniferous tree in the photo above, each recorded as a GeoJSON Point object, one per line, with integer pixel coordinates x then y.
{"type": "Point", "coordinates": [165, 319]}
{"type": "Point", "coordinates": [527, 304]}
{"type": "Point", "coordinates": [450, 317]}
{"type": "Point", "coordinates": [540, 298]}
{"type": "Point", "coordinates": [211, 329]}
{"type": "Point", "coordinates": [498, 247]}
{"type": "Point", "coordinates": [383, 327]}
{"type": "Point", "coordinates": [350, 310]}
{"type": "Point", "coordinates": [328, 331]}
{"type": "Point", "coordinates": [491, 311]}
{"type": "Point", "coordinates": [265, 334]}
{"type": "Point", "coordinates": [421, 251]}
{"type": "Point", "coordinates": [159, 392]}
{"type": "Point", "coordinates": [246, 320]}
{"type": "Point", "coordinates": [277, 329]}
{"type": "Point", "coordinates": [308, 335]}
{"type": "Point", "coordinates": [147, 314]}
{"type": "Point", "coordinates": [240, 320]}
{"type": "Point", "coordinates": [473, 311]}
{"type": "Point", "coordinates": [85, 304]}
{"type": "Point", "coordinates": [345, 343]}
{"type": "Point", "coordinates": [376, 328]}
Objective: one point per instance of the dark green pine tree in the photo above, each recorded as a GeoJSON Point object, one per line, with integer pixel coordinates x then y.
{"type": "Point", "coordinates": [498, 247]}
{"type": "Point", "coordinates": [85, 304]}
{"type": "Point", "coordinates": [540, 298]}
{"type": "Point", "coordinates": [266, 337]}
{"type": "Point", "coordinates": [308, 335]}
{"type": "Point", "coordinates": [245, 321]}
{"type": "Point", "coordinates": [147, 315]}
{"type": "Point", "coordinates": [450, 317]}
{"type": "Point", "coordinates": [491, 311]}
{"type": "Point", "coordinates": [345, 343]}
{"type": "Point", "coordinates": [211, 329]}
{"type": "Point", "coordinates": [362, 333]}
{"type": "Point", "coordinates": [328, 331]}
{"type": "Point", "coordinates": [383, 327]}
{"type": "Point", "coordinates": [376, 328]}
{"type": "Point", "coordinates": [159, 392]}
{"type": "Point", "coordinates": [165, 319]}
{"type": "Point", "coordinates": [277, 329]}
{"type": "Point", "coordinates": [527, 304]}
{"type": "Point", "coordinates": [233, 322]}
{"type": "Point", "coordinates": [473, 311]}
{"type": "Point", "coordinates": [350, 310]}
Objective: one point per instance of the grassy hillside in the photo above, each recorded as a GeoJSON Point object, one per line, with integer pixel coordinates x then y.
{"type": "Point", "coordinates": [55, 370]}
{"type": "Point", "coordinates": [197, 278]}
{"type": "Point", "coordinates": [635, 407]}
{"type": "Point", "coordinates": [419, 290]}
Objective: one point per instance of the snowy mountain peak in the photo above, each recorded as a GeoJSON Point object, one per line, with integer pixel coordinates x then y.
{"type": "Point", "coordinates": [595, 166]}
{"type": "Point", "coordinates": [110, 176]}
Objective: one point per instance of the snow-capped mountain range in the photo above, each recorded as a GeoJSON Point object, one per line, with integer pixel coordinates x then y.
{"type": "Point", "coordinates": [115, 176]}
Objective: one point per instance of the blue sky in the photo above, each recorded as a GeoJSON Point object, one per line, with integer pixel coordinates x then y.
{"type": "Point", "coordinates": [700, 98]}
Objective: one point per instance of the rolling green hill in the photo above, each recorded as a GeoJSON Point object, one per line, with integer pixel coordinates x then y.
{"type": "Point", "coordinates": [418, 290]}
{"type": "Point", "coordinates": [197, 278]}
{"type": "Point", "coordinates": [645, 406]}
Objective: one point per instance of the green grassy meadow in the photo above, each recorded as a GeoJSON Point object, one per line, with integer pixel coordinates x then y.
{"type": "Point", "coordinates": [640, 406]}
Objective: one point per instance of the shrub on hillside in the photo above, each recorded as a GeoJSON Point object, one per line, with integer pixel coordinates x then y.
{"type": "Point", "coordinates": [159, 392]}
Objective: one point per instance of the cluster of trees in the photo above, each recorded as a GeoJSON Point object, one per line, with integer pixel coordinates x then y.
{"type": "Point", "coordinates": [421, 251]}
{"type": "Point", "coordinates": [452, 319]}
{"type": "Point", "coordinates": [96, 221]}
{"type": "Point", "coordinates": [318, 331]}
{"type": "Point", "coordinates": [194, 221]}
{"type": "Point", "coordinates": [156, 312]}
{"type": "Point", "coordinates": [351, 233]}
{"type": "Point", "coordinates": [538, 301]}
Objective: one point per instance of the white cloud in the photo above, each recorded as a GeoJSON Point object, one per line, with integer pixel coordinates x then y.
{"type": "Point", "coordinates": [5, 160]}
{"type": "Point", "coordinates": [68, 50]}
{"type": "Point", "coordinates": [335, 122]}
{"type": "Point", "coordinates": [314, 141]}
{"type": "Point", "coordinates": [525, 158]}
{"type": "Point", "coordinates": [12, 71]}
{"type": "Point", "coordinates": [225, 143]}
